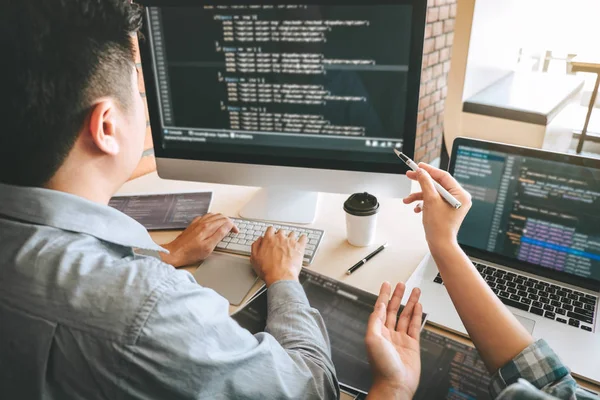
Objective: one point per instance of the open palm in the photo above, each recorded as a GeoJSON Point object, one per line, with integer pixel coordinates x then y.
{"type": "Point", "coordinates": [393, 342]}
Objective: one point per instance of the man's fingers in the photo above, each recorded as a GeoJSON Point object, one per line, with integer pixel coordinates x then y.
{"type": "Point", "coordinates": [414, 328]}
{"type": "Point", "coordinates": [269, 232]}
{"type": "Point", "coordinates": [406, 315]}
{"type": "Point", "coordinates": [220, 233]}
{"type": "Point", "coordinates": [413, 197]}
{"type": "Point", "coordinates": [292, 235]}
{"type": "Point", "coordinates": [256, 246]}
{"type": "Point", "coordinates": [394, 306]}
{"type": "Point", "coordinates": [303, 239]}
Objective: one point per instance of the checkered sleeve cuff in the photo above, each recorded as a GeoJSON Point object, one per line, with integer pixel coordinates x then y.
{"type": "Point", "coordinates": [537, 364]}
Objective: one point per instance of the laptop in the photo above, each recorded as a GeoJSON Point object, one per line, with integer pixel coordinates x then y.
{"type": "Point", "coordinates": [533, 233]}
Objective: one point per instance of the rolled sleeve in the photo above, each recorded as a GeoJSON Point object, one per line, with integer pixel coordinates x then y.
{"type": "Point", "coordinates": [538, 365]}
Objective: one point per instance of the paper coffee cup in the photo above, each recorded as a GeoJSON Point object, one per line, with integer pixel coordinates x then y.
{"type": "Point", "coordinates": [361, 219]}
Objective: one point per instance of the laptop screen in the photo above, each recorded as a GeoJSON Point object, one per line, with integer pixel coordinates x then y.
{"type": "Point", "coordinates": [530, 206]}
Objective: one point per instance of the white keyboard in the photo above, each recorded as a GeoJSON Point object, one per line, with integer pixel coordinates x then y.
{"type": "Point", "coordinates": [241, 243]}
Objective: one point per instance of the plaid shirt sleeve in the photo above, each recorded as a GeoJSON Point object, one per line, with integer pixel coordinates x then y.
{"type": "Point", "coordinates": [536, 373]}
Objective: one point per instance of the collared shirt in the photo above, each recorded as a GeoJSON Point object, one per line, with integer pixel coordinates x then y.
{"type": "Point", "coordinates": [536, 374]}
{"type": "Point", "coordinates": [83, 316]}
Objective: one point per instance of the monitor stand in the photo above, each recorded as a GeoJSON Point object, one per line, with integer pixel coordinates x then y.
{"type": "Point", "coordinates": [282, 205]}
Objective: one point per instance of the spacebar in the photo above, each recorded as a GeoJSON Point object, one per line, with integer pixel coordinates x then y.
{"type": "Point", "coordinates": [514, 304]}
{"type": "Point", "coordinates": [242, 248]}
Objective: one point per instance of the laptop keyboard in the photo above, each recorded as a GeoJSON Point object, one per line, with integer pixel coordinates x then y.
{"type": "Point", "coordinates": [558, 303]}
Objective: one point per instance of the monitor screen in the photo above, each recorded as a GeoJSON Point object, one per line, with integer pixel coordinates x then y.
{"type": "Point", "coordinates": [288, 84]}
{"type": "Point", "coordinates": [531, 208]}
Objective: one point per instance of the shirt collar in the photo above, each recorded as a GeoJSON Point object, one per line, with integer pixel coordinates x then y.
{"type": "Point", "coordinates": [75, 214]}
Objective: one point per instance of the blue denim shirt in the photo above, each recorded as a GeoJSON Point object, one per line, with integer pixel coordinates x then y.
{"type": "Point", "coordinates": [84, 316]}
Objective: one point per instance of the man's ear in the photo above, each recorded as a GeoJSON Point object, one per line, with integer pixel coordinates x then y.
{"type": "Point", "coordinates": [103, 127]}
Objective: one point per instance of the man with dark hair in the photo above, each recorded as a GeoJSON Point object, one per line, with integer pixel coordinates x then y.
{"type": "Point", "coordinates": [83, 313]}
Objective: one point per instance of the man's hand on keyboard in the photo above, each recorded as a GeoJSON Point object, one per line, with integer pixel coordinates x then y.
{"type": "Point", "coordinates": [278, 256]}
{"type": "Point", "coordinates": [199, 240]}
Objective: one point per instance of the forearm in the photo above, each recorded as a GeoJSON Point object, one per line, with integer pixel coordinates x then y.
{"type": "Point", "coordinates": [494, 330]}
{"type": "Point", "coordinates": [301, 332]}
{"type": "Point", "coordinates": [378, 392]}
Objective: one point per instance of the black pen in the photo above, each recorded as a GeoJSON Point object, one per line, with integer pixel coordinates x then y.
{"type": "Point", "coordinates": [364, 260]}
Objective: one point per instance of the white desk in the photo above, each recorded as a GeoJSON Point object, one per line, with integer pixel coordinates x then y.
{"type": "Point", "coordinates": [397, 224]}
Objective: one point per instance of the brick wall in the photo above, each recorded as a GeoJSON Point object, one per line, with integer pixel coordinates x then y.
{"type": "Point", "coordinates": [439, 35]}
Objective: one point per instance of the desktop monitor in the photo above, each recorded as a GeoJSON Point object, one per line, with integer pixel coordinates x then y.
{"type": "Point", "coordinates": [296, 98]}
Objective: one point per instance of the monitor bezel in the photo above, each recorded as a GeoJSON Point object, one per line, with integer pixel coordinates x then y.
{"type": "Point", "coordinates": [413, 86]}
{"type": "Point", "coordinates": [495, 258]}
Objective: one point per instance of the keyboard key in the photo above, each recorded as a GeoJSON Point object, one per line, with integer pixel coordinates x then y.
{"type": "Point", "coordinates": [525, 301]}
{"type": "Point", "coordinates": [561, 320]}
{"type": "Point", "coordinates": [511, 290]}
{"type": "Point", "coordinates": [501, 287]}
{"type": "Point", "coordinates": [543, 294]}
{"type": "Point", "coordinates": [586, 328]}
{"type": "Point", "coordinates": [537, 304]}
{"type": "Point", "coordinates": [554, 297]}
{"type": "Point", "coordinates": [529, 284]}
{"type": "Point", "coordinates": [583, 318]}
{"type": "Point", "coordinates": [573, 296]}
{"type": "Point", "coordinates": [514, 304]}
{"type": "Point", "coordinates": [239, 247]}
{"type": "Point", "coordinates": [574, 322]}
{"type": "Point", "coordinates": [545, 300]}
{"type": "Point", "coordinates": [438, 280]}
{"type": "Point", "coordinates": [490, 279]}
{"type": "Point", "coordinates": [577, 304]}
{"type": "Point", "coordinates": [504, 294]}
{"type": "Point", "coordinates": [537, 311]}
{"type": "Point", "coordinates": [586, 300]}
{"type": "Point", "coordinates": [511, 284]}
{"type": "Point", "coordinates": [522, 293]}
{"type": "Point", "coordinates": [222, 245]}
{"type": "Point", "coordinates": [589, 296]}
{"type": "Point", "coordinates": [549, 315]}
{"type": "Point", "coordinates": [560, 311]}
{"type": "Point", "coordinates": [309, 252]}
{"type": "Point", "coordinates": [548, 307]}
{"type": "Point", "coordinates": [567, 290]}
{"type": "Point", "coordinates": [313, 236]}
{"type": "Point", "coordinates": [521, 287]}
{"type": "Point", "coordinates": [515, 297]}
{"type": "Point", "coordinates": [561, 293]}
{"type": "Point", "coordinates": [555, 303]}
{"type": "Point", "coordinates": [313, 241]}
{"type": "Point", "coordinates": [501, 281]}
{"type": "Point", "coordinates": [539, 287]}
{"type": "Point", "coordinates": [565, 300]}
{"type": "Point", "coordinates": [519, 281]}
{"type": "Point", "coordinates": [583, 312]}
{"type": "Point", "coordinates": [511, 275]}
{"type": "Point", "coordinates": [588, 307]}
{"type": "Point", "coordinates": [567, 307]}
{"type": "Point", "coordinates": [532, 290]}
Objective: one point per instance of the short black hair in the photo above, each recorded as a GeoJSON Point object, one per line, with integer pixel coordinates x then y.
{"type": "Point", "coordinates": [56, 58]}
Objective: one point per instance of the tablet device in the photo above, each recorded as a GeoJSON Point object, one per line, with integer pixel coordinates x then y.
{"type": "Point", "coordinates": [345, 310]}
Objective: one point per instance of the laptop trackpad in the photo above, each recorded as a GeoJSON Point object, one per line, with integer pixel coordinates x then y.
{"type": "Point", "coordinates": [529, 324]}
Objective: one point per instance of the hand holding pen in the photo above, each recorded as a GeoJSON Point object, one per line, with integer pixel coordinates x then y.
{"type": "Point", "coordinates": [441, 222]}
